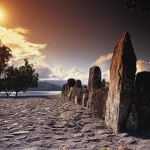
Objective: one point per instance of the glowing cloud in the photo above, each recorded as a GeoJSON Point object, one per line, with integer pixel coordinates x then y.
{"type": "Point", "coordinates": [103, 61]}
{"type": "Point", "coordinates": [142, 66]}
{"type": "Point", "coordinates": [16, 40]}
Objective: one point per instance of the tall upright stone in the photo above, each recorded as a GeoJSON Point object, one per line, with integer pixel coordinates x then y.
{"type": "Point", "coordinates": [94, 81]}
{"type": "Point", "coordinates": [142, 99]}
{"type": "Point", "coordinates": [71, 82]}
{"type": "Point", "coordinates": [121, 88]}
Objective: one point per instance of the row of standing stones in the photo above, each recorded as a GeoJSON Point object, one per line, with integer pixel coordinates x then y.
{"type": "Point", "coordinates": [124, 103]}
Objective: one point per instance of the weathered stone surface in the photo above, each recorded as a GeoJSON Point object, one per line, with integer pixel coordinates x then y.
{"type": "Point", "coordinates": [71, 82]}
{"type": "Point", "coordinates": [99, 102]}
{"type": "Point", "coordinates": [85, 96]}
{"type": "Point", "coordinates": [142, 99]}
{"type": "Point", "coordinates": [103, 83]}
{"type": "Point", "coordinates": [65, 89]}
{"type": "Point", "coordinates": [85, 99]}
{"type": "Point", "coordinates": [90, 101]}
{"type": "Point", "coordinates": [132, 122]}
{"type": "Point", "coordinates": [121, 88]}
{"type": "Point", "coordinates": [76, 93]}
{"type": "Point", "coordinates": [94, 81]}
{"type": "Point", "coordinates": [78, 84]}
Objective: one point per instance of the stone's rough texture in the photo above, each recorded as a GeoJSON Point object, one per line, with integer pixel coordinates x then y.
{"type": "Point", "coordinates": [78, 84]}
{"type": "Point", "coordinates": [103, 83]}
{"type": "Point", "coordinates": [142, 83]}
{"type": "Point", "coordinates": [132, 122]}
{"type": "Point", "coordinates": [142, 99]}
{"type": "Point", "coordinates": [71, 82]}
{"type": "Point", "coordinates": [107, 84]}
{"type": "Point", "coordinates": [121, 88]}
{"type": "Point", "coordinates": [70, 93]}
{"type": "Point", "coordinates": [94, 83]}
{"type": "Point", "coordinates": [99, 102]}
{"type": "Point", "coordinates": [90, 101]}
{"type": "Point", "coordinates": [78, 96]}
{"type": "Point", "coordinates": [85, 96]}
{"type": "Point", "coordinates": [76, 93]}
{"type": "Point", "coordinates": [94, 78]}
{"type": "Point", "coordinates": [65, 88]}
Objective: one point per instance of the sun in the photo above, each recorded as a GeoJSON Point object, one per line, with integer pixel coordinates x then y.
{"type": "Point", "coordinates": [1, 15]}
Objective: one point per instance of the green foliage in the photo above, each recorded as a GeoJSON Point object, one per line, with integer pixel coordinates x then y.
{"type": "Point", "coordinates": [65, 93]}
{"type": "Point", "coordinates": [19, 79]}
{"type": "Point", "coordinates": [5, 55]}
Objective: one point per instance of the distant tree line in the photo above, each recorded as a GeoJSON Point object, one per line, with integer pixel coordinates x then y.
{"type": "Point", "coordinates": [15, 79]}
{"type": "Point", "coordinates": [141, 5]}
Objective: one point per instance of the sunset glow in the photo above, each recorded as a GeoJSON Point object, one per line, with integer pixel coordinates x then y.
{"type": "Point", "coordinates": [1, 15]}
{"type": "Point", "coordinates": [65, 38]}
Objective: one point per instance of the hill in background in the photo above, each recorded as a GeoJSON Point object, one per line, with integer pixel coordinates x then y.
{"type": "Point", "coordinates": [56, 82]}
{"type": "Point", "coordinates": [46, 86]}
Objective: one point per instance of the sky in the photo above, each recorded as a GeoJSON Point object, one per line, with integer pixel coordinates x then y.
{"type": "Point", "coordinates": [64, 38]}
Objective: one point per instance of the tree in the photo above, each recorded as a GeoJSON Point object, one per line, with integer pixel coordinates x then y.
{"type": "Point", "coordinates": [20, 79]}
{"type": "Point", "coordinates": [5, 55]}
{"type": "Point", "coordinates": [142, 5]}
{"type": "Point", "coordinates": [5, 86]}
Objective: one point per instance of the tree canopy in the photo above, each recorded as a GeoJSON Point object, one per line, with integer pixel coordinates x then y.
{"type": "Point", "coordinates": [19, 79]}
{"type": "Point", "coordinates": [5, 55]}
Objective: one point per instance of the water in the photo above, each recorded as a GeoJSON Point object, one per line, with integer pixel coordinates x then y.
{"type": "Point", "coordinates": [33, 93]}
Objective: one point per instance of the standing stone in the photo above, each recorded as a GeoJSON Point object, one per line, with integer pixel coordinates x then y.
{"type": "Point", "coordinates": [142, 99]}
{"type": "Point", "coordinates": [85, 96]}
{"type": "Point", "coordinates": [94, 83]}
{"type": "Point", "coordinates": [78, 84]}
{"type": "Point", "coordinates": [78, 92]}
{"type": "Point", "coordinates": [132, 122]}
{"type": "Point", "coordinates": [99, 102]}
{"type": "Point", "coordinates": [71, 82]}
{"type": "Point", "coordinates": [65, 89]}
{"type": "Point", "coordinates": [121, 88]}
{"type": "Point", "coordinates": [94, 78]}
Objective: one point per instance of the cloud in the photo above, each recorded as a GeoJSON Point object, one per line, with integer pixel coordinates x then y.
{"type": "Point", "coordinates": [106, 75]}
{"type": "Point", "coordinates": [16, 40]}
{"type": "Point", "coordinates": [142, 66]}
{"type": "Point", "coordinates": [21, 48]}
{"type": "Point", "coordinates": [103, 61]}
{"type": "Point", "coordinates": [59, 73]}
{"type": "Point", "coordinates": [77, 73]}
